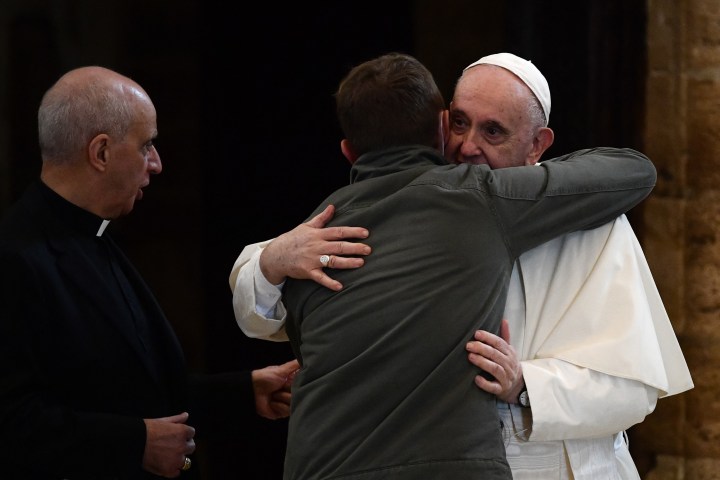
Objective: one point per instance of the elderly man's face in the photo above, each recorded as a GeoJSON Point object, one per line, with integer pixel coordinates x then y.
{"type": "Point", "coordinates": [490, 121]}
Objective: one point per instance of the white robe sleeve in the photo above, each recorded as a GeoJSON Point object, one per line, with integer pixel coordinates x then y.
{"type": "Point", "coordinates": [259, 311]}
{"type": "Point", "coordinates": [570, 402]}
{"type": "Point", "coordinates": [597, 346]}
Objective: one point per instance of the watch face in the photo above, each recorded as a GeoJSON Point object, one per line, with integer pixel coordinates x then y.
{"type": "Point", "coordinates": [524, 399]}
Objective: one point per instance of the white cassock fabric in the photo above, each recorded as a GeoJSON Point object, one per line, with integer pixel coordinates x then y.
{"type": "Point", "coordinates": [597, 349]}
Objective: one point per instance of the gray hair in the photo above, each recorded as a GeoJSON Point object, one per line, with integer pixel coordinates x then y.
{"type": "Point", "coordinates": [536, 114]}
{"type": "Point", "coordinates": [72, 112]}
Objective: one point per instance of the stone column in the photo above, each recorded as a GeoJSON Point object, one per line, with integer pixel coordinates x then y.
{"type": "Point", "coordinates": [682, 230]}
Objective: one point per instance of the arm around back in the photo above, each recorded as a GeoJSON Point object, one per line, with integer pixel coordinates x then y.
{"type": "Point", "coordinates": [578, 191]}
{"type": "Point", "coordinates": [258, 311]}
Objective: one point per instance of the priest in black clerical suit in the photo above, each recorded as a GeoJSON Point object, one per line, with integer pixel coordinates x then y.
{"type": "Point", "coordinates": [87, 363]}
{"type": "Point", "coordinates": [85, 356]}
{"type": "Point", "coordinates": [93, 383]}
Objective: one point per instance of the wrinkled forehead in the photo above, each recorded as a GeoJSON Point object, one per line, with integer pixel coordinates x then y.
{"type": "Point", "coordinates": [143, 125]}
{"type": "Point", "coordinates": [493, 81]}
{"type": "Point", "coordinates": [491, 92]}
{"type": "Point", "coordinates": [142, 103]}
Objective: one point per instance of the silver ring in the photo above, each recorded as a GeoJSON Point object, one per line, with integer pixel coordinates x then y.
{"type": "Point", "coordinates": [186, 466]}
{"type": "Point", "coordinates": [324, 260]}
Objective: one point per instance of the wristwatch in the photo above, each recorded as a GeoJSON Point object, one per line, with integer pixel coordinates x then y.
{"type": "Point", "coordinates": [524, 398]}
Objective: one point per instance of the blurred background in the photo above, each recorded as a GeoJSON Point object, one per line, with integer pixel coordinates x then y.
{"type": "Point", "coordinates": [248, 136]}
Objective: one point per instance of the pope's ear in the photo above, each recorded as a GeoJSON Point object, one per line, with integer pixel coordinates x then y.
{"type": "Point", "coordinates": [99, 151]}
{"type": "Point", "coordinates": [542, 141]}
{"type": "Point", "coordinates": [348, 151]}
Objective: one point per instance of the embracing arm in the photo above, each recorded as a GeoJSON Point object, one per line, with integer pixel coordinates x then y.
{"type": "Point", "coordinates": [565, 398]}
{"type": "Point", "coordinates": [259, 272]}
{"type": "Point", "coordinates": [573, 192]}
{"type": "Point", "coordinates": [256, 302]}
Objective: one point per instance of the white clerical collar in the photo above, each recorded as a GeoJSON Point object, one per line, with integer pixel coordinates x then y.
{"type": "Point", "coordinates": [103, 225]}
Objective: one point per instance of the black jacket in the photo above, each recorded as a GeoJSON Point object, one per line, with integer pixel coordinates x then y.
{"type": "Point", "coordinates": [78, 373]}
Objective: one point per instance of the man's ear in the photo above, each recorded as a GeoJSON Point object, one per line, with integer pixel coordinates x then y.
{"type": "Point", "coordinates": [348, 151]}
{"type": "Point", "coordinates": [99, 151]}
{"type": "Point", "coordinates": [542, 141]}
{"type": "Point", "coordinates": [444, 129]}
